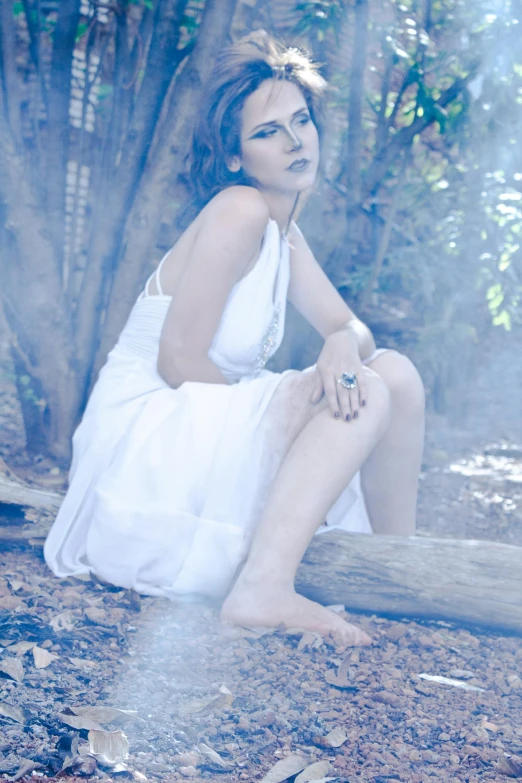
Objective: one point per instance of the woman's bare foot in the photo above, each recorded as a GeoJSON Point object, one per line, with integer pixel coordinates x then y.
{"type": "Point", "coordinates": [257, 606]}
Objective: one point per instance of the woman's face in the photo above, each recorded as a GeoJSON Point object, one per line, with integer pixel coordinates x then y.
{"type": "Point", "coordinates": [279, 141]}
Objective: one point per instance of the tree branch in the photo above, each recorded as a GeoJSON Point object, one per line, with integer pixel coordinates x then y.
{"type": "Point", "coordinates": [404, 137]}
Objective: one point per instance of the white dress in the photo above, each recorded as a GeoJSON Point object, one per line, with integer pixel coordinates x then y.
{"type": "Point", "coordinates": [166, 485]}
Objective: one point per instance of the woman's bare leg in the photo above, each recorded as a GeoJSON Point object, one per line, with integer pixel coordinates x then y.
{"type": "Point", "coordinates": [390, 475]}
{"type": "Point", "coordinates": [319, 464]}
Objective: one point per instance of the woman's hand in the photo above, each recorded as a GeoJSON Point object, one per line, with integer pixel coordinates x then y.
{"type": "Point", "coordinates": [340, 354]}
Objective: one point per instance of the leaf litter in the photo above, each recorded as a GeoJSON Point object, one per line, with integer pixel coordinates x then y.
{"type": "Point", "coordinates": [156, 690]}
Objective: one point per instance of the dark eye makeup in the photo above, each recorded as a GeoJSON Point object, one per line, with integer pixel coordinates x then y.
{"type": "Point", "coordinates": [303, 119]}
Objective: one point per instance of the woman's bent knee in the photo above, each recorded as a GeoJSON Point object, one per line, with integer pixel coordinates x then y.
{"type": "Point", "coordinates": [402, 379]}
{"type": "Point", "coordinates": [378, 403]}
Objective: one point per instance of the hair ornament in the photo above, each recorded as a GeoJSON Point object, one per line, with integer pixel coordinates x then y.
{"type": "Point", "coordinates": [282, 71]}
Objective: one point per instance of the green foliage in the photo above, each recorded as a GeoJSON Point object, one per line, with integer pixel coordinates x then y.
{"type": "Point", "coordinates": [82, 29]}
{"type": "Point", "coordinates": [318, 17]}
{"type": "Point", "coordinates": [190, 22]}
{"type": "Point", "coordinates": [29, 394]}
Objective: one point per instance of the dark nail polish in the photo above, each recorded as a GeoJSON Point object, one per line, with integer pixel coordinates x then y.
{"type": "Point", "coordinates": [363, 403]}
{"type": "Point", "coordinates": [356, 415]}
{"type": "Point", "coordinates": [348, 417]}
{"type": "Point", "coordinates": [337, 414]}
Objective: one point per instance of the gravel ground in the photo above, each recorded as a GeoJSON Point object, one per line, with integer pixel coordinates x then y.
{"type": "Point", "coordinates": [219, 704]}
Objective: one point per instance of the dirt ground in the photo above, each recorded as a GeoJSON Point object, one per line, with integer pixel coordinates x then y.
{"type": "Point", "coordinates": [98, 683]}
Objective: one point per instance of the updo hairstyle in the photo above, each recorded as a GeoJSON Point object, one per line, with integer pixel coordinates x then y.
{"type": "Point", "coordinates": [238, 72]}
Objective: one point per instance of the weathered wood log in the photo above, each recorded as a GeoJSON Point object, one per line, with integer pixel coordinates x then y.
{"type": "Point", "coordinates": [13, 493]}
{"type": "Point", "coordinates": [468, 582]}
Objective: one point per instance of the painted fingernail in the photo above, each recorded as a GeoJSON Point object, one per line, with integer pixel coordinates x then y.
{"type": "Point", "coordinates": [363, 403]}
{"type": "Point", "coordinates": [348, 417]}
{"type": "Point", "coordinates": [337, 414]}
{"type": "Point", "coordinates": [356, 415]}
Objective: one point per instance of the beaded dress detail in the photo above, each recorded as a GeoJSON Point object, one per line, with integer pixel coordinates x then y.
{"type": "Point", "coordinates": [167, 485]}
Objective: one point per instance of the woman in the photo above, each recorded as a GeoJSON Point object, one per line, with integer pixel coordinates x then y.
{"type": "Point", "coordinates": [194, 468]}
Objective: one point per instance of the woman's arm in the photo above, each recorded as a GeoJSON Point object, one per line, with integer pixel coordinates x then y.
{"type": "Point", "coordinates": [317, 299]}
{"type": "Point", "coordinates": [230, 236]}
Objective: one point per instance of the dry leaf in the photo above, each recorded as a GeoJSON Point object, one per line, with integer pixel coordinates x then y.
{"type": "Point", "coordinates": [286, 768]}
{"type": "Point", "coordinates": [336, 738]}
{"type": "Point", "coordinates": [42, 658]}
{"type": "Point", "coordinates": [26, 766]}
{"type": "Point", "coordinates": [65, 621]}
{"type": "Point", "coordinates": [316, 771]}
{"type": "Point", "coordinates": [213, 756]}
{"type": "Point", "coordinates": [109, 747]}
{"type": "Point", "coordinates": [12, 667]}
{"type": "Point", "coordinates": [12, 711]}
{"type": "Point", "coordinates": [98, 616]}
{"type": "Point", "coordinates": [79, 722]}
{"type": "Point", "coordinates": [106, 714]}
{"type": "Point", "coordinates": [83, 663]}
{"type": "Point", "coordinates": [225, 699]}
{"type": "Point", "coordinates": [310, 639]}
{"type": "Point", "coordinates": [20, 648]}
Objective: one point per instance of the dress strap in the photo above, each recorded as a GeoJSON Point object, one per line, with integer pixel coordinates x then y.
{"type": "Point", "coordinates": [155, 274]}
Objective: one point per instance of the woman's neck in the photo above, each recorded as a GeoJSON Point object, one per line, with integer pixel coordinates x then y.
{"type": "Point", "coordinates": [282, 208]}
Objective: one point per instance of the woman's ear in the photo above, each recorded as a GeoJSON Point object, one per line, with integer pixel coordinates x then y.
{"type": "Point", "coordinates": [234, 165]}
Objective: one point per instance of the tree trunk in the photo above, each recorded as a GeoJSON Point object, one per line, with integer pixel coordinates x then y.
{"type": "Point", "coordinates": [352, 173]}
{"type": "Point", "coordinates": [160, 179]}
{"type": "Point", "coordinates": [117, 192]}
{"type": "Point", "coordinates": [33, 302]}
{"type": "Point", "coordinates": [58, 120]}
{"type": "Point", "coordinates": [8, 81]}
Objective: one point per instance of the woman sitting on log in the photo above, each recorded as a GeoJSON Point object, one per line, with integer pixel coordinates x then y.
{"type": "Point", "coordinates": [197, 470]}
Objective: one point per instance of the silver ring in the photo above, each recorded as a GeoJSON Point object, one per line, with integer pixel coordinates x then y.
{"type": "Point", "coordinates": [348, 380]}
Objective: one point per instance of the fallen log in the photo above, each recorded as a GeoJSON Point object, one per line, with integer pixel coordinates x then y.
{"type": "Point", "coordinates": [464, 581]}
{"type": "Point", "coordinates": [14, 494]}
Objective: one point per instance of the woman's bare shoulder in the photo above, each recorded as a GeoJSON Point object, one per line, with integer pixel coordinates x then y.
{"type": "Point", "coordinates": [239, 206]}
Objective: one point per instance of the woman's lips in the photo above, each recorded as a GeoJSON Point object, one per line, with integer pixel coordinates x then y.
{"type": "Point", "coordinates": [299, 165]}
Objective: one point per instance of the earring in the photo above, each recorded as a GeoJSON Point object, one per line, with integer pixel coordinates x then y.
{"type": "Point", "coordinates": [235, 166]}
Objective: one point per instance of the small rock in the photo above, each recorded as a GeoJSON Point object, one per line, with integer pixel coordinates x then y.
{"type": "Point", "coordinates": [443, 737]}
{"type": "Point", "coordinates": [189, 759]}
{"type": "Point", "coordinates": [265, 718]}
{"type": "Point", "coordinates": [437, 638]}
{"type": "Point", "coordinates": [155, 766]}
{"type": "Point", "coordinates": [461, 674]}
{"type": "Point", "coordinates": [188, 772]}
{"type": "Point", "coordinates": [396, 632]}
{"type": "Point", "coordinates": [385, 697]}
{"type": "Point", "coordinates": [425, 641]}
{"type": "Point", "coordinates": [414, 755]}
{"type": "Point", "coordinates": [430, 756]}
{"type": "Point", "coordinates": [85, 766]}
